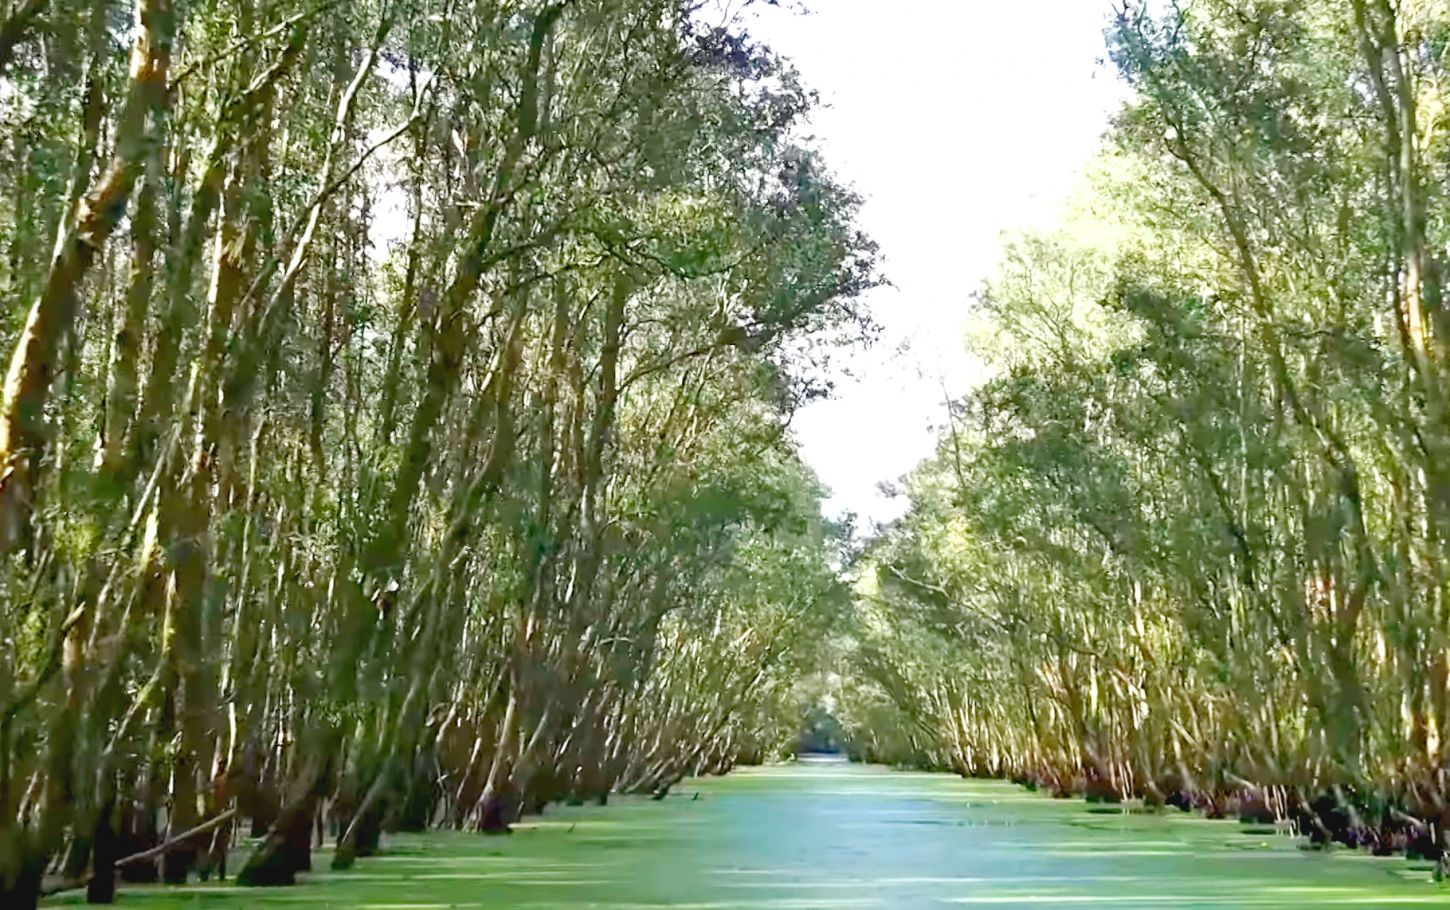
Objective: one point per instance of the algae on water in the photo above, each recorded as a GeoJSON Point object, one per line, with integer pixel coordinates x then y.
{"type": "Point", "coordinates": [818, 836]}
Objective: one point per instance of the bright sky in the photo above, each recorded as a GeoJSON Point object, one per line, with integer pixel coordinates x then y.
{"type": "Point", "coordinates": [956, 120]}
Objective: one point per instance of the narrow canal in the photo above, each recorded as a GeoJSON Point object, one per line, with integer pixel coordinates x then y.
{"type": "Point", "coordinates": [834, 835]}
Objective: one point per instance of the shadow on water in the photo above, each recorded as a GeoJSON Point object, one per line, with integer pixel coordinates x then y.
{"type": "Point", "coordinates": [825, 833]}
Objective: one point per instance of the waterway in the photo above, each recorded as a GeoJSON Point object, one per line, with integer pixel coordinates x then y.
{"type": "Point", "coordinates": [812, 835]}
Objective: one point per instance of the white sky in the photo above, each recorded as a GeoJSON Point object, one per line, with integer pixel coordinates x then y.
{"type": "Point", "coordinates": [956, 120]}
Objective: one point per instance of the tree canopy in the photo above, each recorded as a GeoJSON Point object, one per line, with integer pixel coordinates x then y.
{"type": "Point", "coordinates": [1188, 543]}
{"type": "Point", "coordinates": [396, 417]}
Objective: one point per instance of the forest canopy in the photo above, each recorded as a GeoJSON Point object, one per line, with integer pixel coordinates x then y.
{"type": "Point", "coordinates": [396, 432]}
{"type": "Point", "coordinates": [396, 418]}
{"type": "Point", "coordinates": [1188, 543]}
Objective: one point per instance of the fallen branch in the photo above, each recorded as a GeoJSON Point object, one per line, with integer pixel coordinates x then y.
{"type": "Point", "coordinates": [152, 853]}
{"type": "Point", "coordinates": [185, 835]}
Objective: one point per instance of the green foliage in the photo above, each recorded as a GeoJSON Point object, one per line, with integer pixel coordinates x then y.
{"type": "Point", "coordinates": [414, 411]}
{"type": "Point", "coordinates": [1187, 539]}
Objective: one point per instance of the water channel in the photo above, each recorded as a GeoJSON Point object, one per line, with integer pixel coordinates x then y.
{"type": "Point", "coordinates": [824, 835]}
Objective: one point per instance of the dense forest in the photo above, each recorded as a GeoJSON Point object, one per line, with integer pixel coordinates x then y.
{"type": "Point", "coordinates": [1189, 543]}
{"type": "Point", "coordinates": [395, 430]}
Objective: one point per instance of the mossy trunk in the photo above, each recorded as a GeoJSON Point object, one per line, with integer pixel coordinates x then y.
{"type": "Point", "coordinates": [287, 848]}
{"type": "Point", "coordinates": [360, 836]}
{"type": "Point", "coordinates": [499, 811]}
{"type": "Point", "coordinates": [177, 862]}
{"type": "Point", "coordinates": [416, 811]}
{"type": "Point", "coordinates": [20, 870]}
{"type": "Point", "coordinates": [105, 850]}
{"type": "Point", "coordinates": [138, 833]}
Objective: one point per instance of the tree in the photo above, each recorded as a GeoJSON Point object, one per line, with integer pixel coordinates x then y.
{"type": "Point", "coordinates": [401, 422]}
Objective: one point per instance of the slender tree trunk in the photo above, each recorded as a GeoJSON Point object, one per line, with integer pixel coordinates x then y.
{"type": "Point", "coordinates": [33, 362]}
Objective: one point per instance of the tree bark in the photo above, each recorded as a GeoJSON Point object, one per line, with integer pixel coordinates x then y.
{"type": "Point", "coordinates": [33, 363]}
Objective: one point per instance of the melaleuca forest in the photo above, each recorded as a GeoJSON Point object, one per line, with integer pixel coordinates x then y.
{"type": "Point", "coordinates": [644, 453]}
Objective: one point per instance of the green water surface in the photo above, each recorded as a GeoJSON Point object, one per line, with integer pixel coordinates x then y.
{"type": "Point", "coordinates": [833, 835]}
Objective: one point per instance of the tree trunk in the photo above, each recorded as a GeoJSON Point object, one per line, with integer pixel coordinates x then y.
{"type": "Point", "coordinates": [33, 362]}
